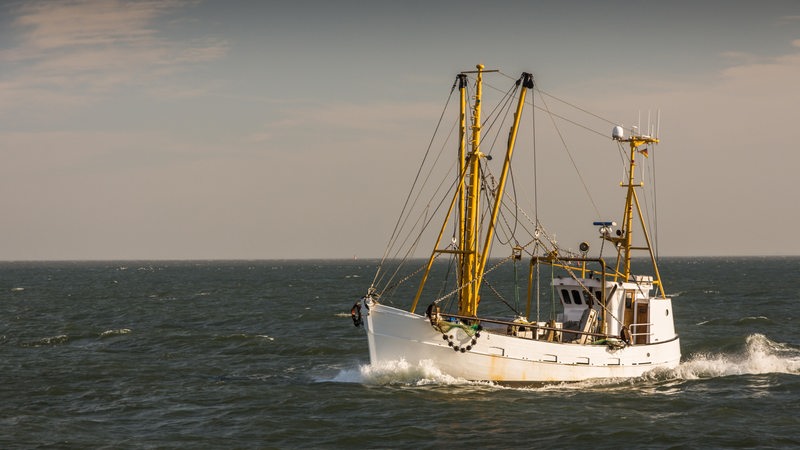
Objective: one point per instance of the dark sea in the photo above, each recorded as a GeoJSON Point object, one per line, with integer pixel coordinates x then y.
{"type": "Point", "coordinates": [263, 354]}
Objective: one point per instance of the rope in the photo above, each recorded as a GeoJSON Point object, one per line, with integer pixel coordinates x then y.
{"type": "Point", "coordinates": [599, 133]}
{"type": "Point", "coordinates": [500, 297]}
{"type": "Point", "coordinates": [535, 171]}
{"type": "Point", "coordinates": [424, 226]}
{"type": "Point", "coordinates": [655, 210]}
{"type": "Point", "coordinates": [586, 289]}
{"type": "Point", "coordinates": [388, 289]}
{"type": "Point", "coordinates": [459, 288]}
{"type": "Point", "coordinates": [579, 108]}
{"type": "Point", "coordinates": [414, 184]}
{"type": "Point", "coordinates": [566, 148]}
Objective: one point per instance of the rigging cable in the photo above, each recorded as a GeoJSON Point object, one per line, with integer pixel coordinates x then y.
{"type": "Point", "coordinates": [413, 185]}
{"type": "Point", "coordinates": [421, 223]}
{"type": "Point", "coordinates": [425, 225]}
{"type": "Point", "coordinates": [535, 171]}
{"type": "Point", "coordinates": [511, 230]}
{"type": "Point", "coordinates": [579, 108]}
{"type": "Point", "coordinates": [564, 143]}
{"type": "Point", "coordinates": [655, 207]}
{"type": "Point", "coordinates": [599, 133]}
{"type": "Point", "coordinates": [535, 202]}
{"type": "Point", "coordinates": [504, 102]}
{"type": "Point", "coordinates": [646, 172]}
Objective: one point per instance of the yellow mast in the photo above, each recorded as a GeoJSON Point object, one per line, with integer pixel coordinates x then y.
{"type": "Point", "coordinates": [462, 166]}
{"type": "Point", "coordinates": [459, 201]}
{"type": "Point", "coordinates": [471, 262]}
{"type": "Point", "coordinates": [474, 262]}
{"type": "Point", "coordinates": [527, 83]}
{"type": "Point", "coordinates": [625, 241]}
{"type": "Point", "coordinates": [468, 245]}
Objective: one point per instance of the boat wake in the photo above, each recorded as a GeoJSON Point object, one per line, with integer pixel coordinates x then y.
{"type": "Point", "coordinates": [760, 356]}
{"type": "Point", "coordinates": [401, 373]}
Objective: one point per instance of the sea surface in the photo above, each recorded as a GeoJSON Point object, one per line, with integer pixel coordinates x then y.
{"type": "Point", "coordinates": [263, 354]}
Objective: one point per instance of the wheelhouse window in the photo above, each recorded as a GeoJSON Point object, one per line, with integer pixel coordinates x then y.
{"type": "Point", "coordinates": [576, 297]}
{"type": "Point", "coordinates": [565, 296]}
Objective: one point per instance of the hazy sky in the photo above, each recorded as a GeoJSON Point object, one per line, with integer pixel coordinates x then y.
{"type": "Point", "coordinates": [243, 129]}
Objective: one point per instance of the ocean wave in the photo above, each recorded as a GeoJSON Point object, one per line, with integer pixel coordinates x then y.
{"type": "Point", "coordinates": [48, 341]}
{"type": "Point", "coordinates": [116, 332]}
{"type": "Point", "coordinates": [749, 320]}
{"type": "Point", "coordinates": [760, 356]}
{"type": "Point", "coordinates": [242, 337]}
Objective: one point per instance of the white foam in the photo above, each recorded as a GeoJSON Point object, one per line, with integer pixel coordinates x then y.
{"type": "Point", "coordinates": [115, 332]}
{"type": "Point", "coordinates": [760, 356]}
{"type": "Point", "coordinates": [400, 373]}
{"type": "Point", "coordinates": [52, 340]}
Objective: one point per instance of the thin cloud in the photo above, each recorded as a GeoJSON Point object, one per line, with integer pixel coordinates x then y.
{"type": "Point", "coordinates": [94, 47]}
{"type": "Point", "coordinates": [350, 121]}
{"type": "Point", "coordinates": [56, 25]}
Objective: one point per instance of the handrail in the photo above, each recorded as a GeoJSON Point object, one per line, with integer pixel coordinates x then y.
{"type": "Point", "coordinates": [527, 325]}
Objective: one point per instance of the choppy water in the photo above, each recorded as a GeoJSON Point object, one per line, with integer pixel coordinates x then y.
{"type": "Point", "coordinates": [264, 355]}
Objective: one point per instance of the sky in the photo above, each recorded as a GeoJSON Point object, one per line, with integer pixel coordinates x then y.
{"type": "Point", "coordinates": [270, 130]}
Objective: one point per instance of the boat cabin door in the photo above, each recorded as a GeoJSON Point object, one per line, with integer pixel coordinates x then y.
{"type": "Point", "coordinates": [637, 317]}
{"type": "Point", "coordinates": [642, 329]}
{"type": "Point", "coordinates": [630, 295]}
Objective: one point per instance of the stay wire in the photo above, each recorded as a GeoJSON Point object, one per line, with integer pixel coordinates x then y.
{"type": "Point", "coordinates": [574, 164]}
{"type": "Point", "coordinates": [579, 108]}
{"type": "Point", "coordinates": [577, 124]}
{"type": "Point", "coordinates": [414, 184]}
{"type": "Point", "coordinates": [507, 105]}
{"type": "Point", "coordinates": [655, 207]}
{"type": "Point", "coordinates": [503, 103]}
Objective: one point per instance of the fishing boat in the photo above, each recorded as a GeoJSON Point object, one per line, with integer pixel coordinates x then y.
{"type": "Point", "coordinates": [604, 320]}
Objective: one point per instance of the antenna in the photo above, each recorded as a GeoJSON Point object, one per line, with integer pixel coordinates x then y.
{"type": "Point", "coordinates": [658, 123]}
{"type": "Point", "coordinates": [639, 127]}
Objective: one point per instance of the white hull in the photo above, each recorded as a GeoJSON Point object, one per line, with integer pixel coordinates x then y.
{"type": "Point", "coordinates": [394, 334]}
